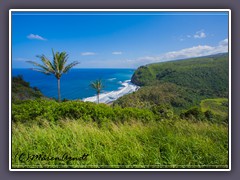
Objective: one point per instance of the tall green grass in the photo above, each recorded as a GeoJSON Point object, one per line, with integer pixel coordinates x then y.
{"type": "Point", "coordinates": [165, 144]}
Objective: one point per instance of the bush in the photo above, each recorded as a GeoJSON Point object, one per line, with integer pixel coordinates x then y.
{"type": "Point", "coordinates": [163, 112]}
{"type": "Point", "coordinates": [32, 110]}
{"type": "Point", "coordinates": [193, 113]}
{"type": "Point", "coordinates": [209, 115]}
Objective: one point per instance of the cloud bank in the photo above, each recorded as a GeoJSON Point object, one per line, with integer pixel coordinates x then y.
{"type": "Point", "coordinates": [195, 51]}
{"type": "Point", "coordinates": [191, 52]}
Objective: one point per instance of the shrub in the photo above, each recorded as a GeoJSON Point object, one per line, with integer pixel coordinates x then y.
{"type": "Point", "coordinates": [193, 113]}
{"type": "Point", "coordinates": [163, 112]}
{"type": "Point", "coordinates": [209, 115]}
{"type": "Point", "coordinates": [32, 110]}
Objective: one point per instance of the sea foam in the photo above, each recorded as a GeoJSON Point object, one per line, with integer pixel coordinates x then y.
{"type": "Point", "coordinates": [108, 97]}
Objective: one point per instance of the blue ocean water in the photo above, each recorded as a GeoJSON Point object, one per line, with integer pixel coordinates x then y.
{"type": "Point", "coordinates": [76, 83]}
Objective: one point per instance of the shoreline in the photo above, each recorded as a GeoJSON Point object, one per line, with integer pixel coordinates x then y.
{"type": "Point", "coordinates": [110, 97]}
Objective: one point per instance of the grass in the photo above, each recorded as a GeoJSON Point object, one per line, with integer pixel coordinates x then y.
{"type": "Point", "coordinates": [140, 130]}
{"type": "Point", "coordinates": [165, 144]}
{"type": "Point", "coordinates": [219, 106]}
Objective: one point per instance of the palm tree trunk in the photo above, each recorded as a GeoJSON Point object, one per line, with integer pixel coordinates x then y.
{"type": "Point", "coordinates": [59, 94]}
{"type": "Point", "coordinates": [98, 97]}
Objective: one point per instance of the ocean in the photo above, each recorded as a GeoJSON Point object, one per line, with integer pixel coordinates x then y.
{"type": "Point", "coordinates": [76, 83]}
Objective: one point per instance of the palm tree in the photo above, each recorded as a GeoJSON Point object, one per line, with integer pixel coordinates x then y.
{"type": "Point", "coordinates": [98, 86]}
{"type": "Point", "coordinates": [57, 67]}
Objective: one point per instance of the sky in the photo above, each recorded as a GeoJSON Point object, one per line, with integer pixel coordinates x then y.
{"type": "Point", "coordinates": [117, 39]}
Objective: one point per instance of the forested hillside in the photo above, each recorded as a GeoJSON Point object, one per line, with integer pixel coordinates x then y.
{"type": "Point", "coordinates": [206, 75]}
{"type": "Point", "coordinates": [180, 84]}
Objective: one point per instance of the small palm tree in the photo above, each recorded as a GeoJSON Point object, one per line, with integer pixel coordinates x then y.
{"type": "Point", "coordinates": [57, 67]}
{"type": "Point", "coordinates": [98, 86]}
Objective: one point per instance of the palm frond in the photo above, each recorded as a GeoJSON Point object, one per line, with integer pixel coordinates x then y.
{"type": "Point", "coordinates": [41, 70]}
{"type": "Point", "coordinates": [63, 57]}
{"type": "Point", "coordinates": [69, 66]}
{"type": "Point", "coordinates": [57, 66]}
{"type": "Point", "coordinates": [55, 61]}
{"type": "Point", "coordinates": [97, 85]}
{"type": "Point", "coordinates": [47, 63]}
{"type": "Point", "coordinates": [44, 69]}
{"type": "Point", "coordinates": [93, 85]}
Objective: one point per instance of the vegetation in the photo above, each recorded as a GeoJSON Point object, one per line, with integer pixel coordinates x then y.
{"type": "Point", "coordinates": [21, 90]}
{"type": "Point", "coordinates": [98, 86]}
{"type": "Point", "coordinates": [206, 76]}
{"type": "Point", "coordinates": [181, 84]}
{"type": "Point", "coordinates": [165, 94]}
{"type": "Point", "coordinates": [135, 144]}
{"type": "Point", "coordinates": [114, 137]}
{"type": "Point", "coordinates": [57, 67]}
{"type": "Point", "coordinates": [177, 119]}
{"type": "Point", "coordinates": [35, 110]}
{"type": "Point", "coordinates": [216, 108]}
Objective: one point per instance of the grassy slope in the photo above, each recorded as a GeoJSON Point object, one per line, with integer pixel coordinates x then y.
{"type": "Point", "coordinates": [218, 106]}
{"type": "Point", "coordinates": [166, 144]}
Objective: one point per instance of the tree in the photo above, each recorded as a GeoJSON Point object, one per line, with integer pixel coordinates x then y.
{"type": "Point", "coordinates": [57, 67]}
{"type": "Point", "coordinates": [98, 86]}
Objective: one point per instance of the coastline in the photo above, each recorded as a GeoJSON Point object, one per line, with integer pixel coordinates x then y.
{"type": "Point", "coordinates": [75, 85]}
{"type": "Point", "coordinates": [109, 97]}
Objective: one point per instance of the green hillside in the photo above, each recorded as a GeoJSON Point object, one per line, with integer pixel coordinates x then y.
{"type": "Point", "coordinates": [205, 75]}
{"type": "Point", "coordinates": [218, 107]}
{"type": "Point", "coordinates": [179, 84]}
{"type": "Point", "coordinates": [21, 90]}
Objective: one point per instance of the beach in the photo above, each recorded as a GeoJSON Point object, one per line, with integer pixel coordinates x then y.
{"type": "Point", "coordinates": [109, 97]}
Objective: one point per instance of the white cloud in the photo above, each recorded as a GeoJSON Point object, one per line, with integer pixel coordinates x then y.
{"type": "Point", "coordinates": [188, 52]}
{"type": "Point", "coordinates": [195, 51]}
{"type": "Point", "coordinates": [35, 36]}
{"type": "Point", "coordinates": [224, 42]}
{"type": "Point", "coordinates": [199, 35]}
{"type": "Point", "coordinates": [117, 52]}
{"type": "Point", "coordinates": [88, 53]}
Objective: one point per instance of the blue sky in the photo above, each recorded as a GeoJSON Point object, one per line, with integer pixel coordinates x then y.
{"type": "Point", "coordinates": [117, 39]}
